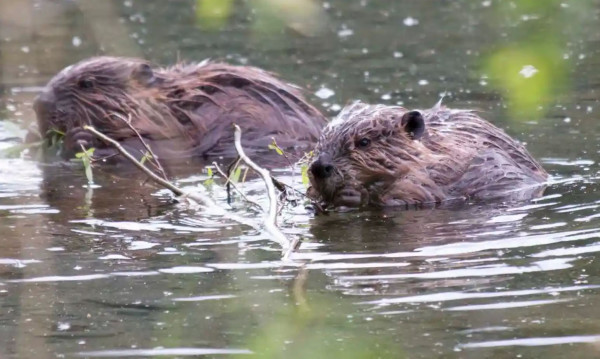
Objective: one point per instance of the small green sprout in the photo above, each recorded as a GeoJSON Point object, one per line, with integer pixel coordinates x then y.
{"type": "Point", "coordinates": [273, 146]}
{"type": "Point", "coordinates": [210, 180]}
{"type": "Point", "coordinates": [235, 177]}
{"type": "Point", "coordinates": [86, 158]}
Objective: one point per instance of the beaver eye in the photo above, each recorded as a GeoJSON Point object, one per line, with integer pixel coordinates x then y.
{"type": "Point", "coordinates": [86, 83]}
{"type": "Point", "coordinates": [363, 142]}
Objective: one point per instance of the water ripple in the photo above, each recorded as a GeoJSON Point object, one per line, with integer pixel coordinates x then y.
{"type": "Point", "coordinates": [451, 296]}
{"type": "Point", "coordinates": [483, 271]}
{"type": "Point", "coordinates": [506, 305]}
{"type": "Point", "coordinates": [119, 353]}
{"type": "Point", "coordinates": [533, 342]}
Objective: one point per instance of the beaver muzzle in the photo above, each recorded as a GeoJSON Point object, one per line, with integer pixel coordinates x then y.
{"type": "Point", "coordinates": [329, 184]}
{"type": "Point", "coordinates": [43, 104]}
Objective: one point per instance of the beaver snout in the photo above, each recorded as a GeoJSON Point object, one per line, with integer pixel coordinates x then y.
{"type": "Point", "coordinates": [323, 167]}
{"type": "Point", "coordinates": [44, 103]}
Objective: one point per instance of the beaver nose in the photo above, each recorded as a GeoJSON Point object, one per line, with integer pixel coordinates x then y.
{"type": "Point", "coordinates": [43, 103]}
{"type": "Point", "coordinates": [322, 168]}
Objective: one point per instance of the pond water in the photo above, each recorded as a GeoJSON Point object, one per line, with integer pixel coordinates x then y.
{"type": "Point", "coordinates": [122, 270]}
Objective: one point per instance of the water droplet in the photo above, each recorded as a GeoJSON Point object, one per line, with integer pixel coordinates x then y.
{"type": "Point", "coordinates": [528, 71]}
{"type": "Point", "coordinates": [410, 21]}
{"type": "Point", "coordinates": [324, 93]}
{"type": "Point", "coordinates": [345, 32]}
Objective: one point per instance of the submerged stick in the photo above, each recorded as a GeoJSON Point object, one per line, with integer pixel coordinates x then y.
{"type": "Point", "coordinates": [270, 221]}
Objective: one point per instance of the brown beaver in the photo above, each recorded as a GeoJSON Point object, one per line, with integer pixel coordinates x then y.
{"type": "Point", "coordinates": [182, 111]}
{"type": "Point", "coordinates": [389, 156]}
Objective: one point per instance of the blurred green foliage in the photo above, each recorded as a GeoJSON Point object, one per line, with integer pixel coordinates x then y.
{"type": "Point", "coordinates": [528, 75]}
{"type": "Point", "coordinates": [268, 16]}
{"type": "Point", "coordinates": [318, 330]}
{"type": "Point", "coordinates": [213, 14]}
{"type": "Point", "coordinates": [530, 68]}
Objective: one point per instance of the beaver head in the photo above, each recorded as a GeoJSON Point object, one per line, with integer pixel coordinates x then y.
{"type": "Point", "coordinates": [364, 148]}
{"type": "Point", "coordinates": [388, 156]}
{"type": "Point", "coordinates": [92, 92]}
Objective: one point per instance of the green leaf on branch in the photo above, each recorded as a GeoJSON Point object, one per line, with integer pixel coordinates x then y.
{"type": "Point", "coordinates": [86, 158]}
{"type": "Point", "coordinates": [304, 172]}
{"type": "Point", "coordinates": [237, 173]}
{"type": "Point", "coordinates": [273, 146]}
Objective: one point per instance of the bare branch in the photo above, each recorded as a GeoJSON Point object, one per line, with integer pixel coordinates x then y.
{"type": "Point", "coordinates": [269, 224]}
{"type": "Point", "coordinates": [270, 221]}
{"type": "Point", "coordinates": [198, 197]}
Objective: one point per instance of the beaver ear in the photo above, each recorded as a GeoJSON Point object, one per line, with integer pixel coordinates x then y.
{"type": "Point", "coordinates": [143, 74]}
{"type": "Point", "coordinates": [414, 124]}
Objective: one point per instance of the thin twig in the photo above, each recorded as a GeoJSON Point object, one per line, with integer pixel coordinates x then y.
{"type": "Point", "coordinates": [154, 159]}
{"type": "Point", "coordinates": [198, 197]}
{"type": "Point", "coordinates": [283, 187]}
{"type": "Point", "coordinates": [283, 154]}
{"type": "Point", "coordinates": [269, 225]}
{"type": "Point", "coordinates": [236, 188]}
{"type": "Point", "coordinates": [270, 221]}
{"type": "Point", "coordinates": [232, 166]}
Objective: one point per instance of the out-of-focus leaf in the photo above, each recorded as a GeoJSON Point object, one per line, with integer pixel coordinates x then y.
{"type": "Point", "coordinates": [212, 14]}
{"type": "Point", "coordinates": [529, 76]}
{"type": "Point", "coordinates": [312, 332]}
{"type": "Point", "coordinates": [306, 17]}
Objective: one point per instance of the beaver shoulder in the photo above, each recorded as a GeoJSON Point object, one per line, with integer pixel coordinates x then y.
{"type": "Point", "coordinates": [386, 155]}
{"type": "Point", "coordinates": [186, 110]}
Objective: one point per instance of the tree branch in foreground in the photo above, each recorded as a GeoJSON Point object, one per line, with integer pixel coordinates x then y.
{"type": "Point", "coordinates": [269, 224]}
{"type": "Point", "coordinates": [270, 221]}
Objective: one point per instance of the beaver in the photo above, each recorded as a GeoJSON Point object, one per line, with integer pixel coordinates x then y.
{"type": "Point", "coordinates": [377, 155]}
{"type": "Point", "coordinates": [182, 111]}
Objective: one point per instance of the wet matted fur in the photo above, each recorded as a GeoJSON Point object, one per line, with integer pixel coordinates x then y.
{"type": "Point", "coordinates": [381, 155]}
{"type": "Point", "coordinates": [187, 110]}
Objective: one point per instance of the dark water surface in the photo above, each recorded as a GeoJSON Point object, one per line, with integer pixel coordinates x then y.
{"type": "Point", "coordinates": [120, 270]}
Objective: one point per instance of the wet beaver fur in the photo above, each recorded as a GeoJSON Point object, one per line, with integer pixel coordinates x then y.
{"type": "Point", "coordinates": [183, 111]}
{"type": "Point", "coordinates": [376, 155]}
